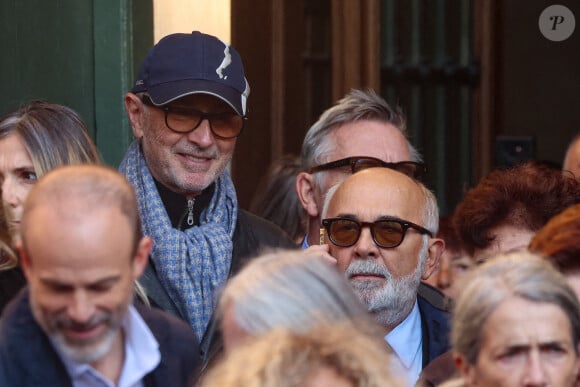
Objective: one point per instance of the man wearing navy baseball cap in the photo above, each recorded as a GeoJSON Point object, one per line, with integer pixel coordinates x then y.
{"type": "Point", "coordinates": [187, 107]}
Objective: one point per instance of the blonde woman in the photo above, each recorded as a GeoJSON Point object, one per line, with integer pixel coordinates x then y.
{"type": "Point", "coordinates": [34, 139]}
{"type": "Point", "coordinates": [331, 354]}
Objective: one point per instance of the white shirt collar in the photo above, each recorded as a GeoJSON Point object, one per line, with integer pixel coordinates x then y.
{"type": "Point", "coordinates": [406, 339]}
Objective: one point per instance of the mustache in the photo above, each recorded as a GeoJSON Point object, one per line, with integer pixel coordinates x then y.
{"type": "Point", "coordinates": [64, 322]}
{"type": "Point", "coordinates": [367, 266]}
{"type": "Point", "coordinates": [205, 155]}
{"type": "Point", "coordinates": [193, 150]}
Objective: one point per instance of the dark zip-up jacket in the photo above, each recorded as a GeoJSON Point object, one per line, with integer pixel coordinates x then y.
{"type": "Point", "coordinates": [251, 236]}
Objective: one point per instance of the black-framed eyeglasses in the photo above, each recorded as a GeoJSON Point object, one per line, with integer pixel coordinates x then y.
{"type": "Point", "coordinates": [224, 125]}
{"type": "Point", "coordinates": [358, 163]}
{"type": "Point", "coordinates": [386, 233]}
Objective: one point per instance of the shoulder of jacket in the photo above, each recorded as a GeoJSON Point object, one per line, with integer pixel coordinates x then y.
{"type": "Point", "coordinates": [262, 230]}
{"type": "Point", "coordinates": [434, 297]}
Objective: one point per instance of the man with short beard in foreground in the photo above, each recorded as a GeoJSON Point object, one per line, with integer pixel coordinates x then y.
{"type": "Point", "coordinates": [75, 324]}
{"type": "Point", "coordinates": [380, 225]}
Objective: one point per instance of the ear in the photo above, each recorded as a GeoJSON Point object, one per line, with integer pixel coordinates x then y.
{"type": "Point", "coordinates": [466, 370]}
{"type": "Point", "coordinates": [24, 258]}
{"type": "Point", "coordinates": [434, 252]}
{"type": "Point", "coordinates": [141, 257]}
{"type": "Point", "coordinates": [136, 113]}
{"type": "Point", "coordinates": [305, 187]}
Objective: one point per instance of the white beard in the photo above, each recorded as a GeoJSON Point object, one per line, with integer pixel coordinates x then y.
{"type": "Point", "coordinates": [393, 301]}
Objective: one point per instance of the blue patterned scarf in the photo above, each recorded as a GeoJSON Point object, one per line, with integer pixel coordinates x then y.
{"type": "Point", "coordinates": [191, 264]}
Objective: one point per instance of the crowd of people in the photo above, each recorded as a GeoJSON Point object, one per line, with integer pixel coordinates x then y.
{"type": "Point", "coordinates": [343, 274]}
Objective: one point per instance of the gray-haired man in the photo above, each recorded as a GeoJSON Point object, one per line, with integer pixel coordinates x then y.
{"type": "Point", "coordinates": [187, 108]}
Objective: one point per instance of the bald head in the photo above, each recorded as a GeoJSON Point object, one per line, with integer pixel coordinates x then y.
{"type": "Point", "coordinates": [380, 225]}
{"type": "Point", "coordinates": [81, 254]}
{"type": "Point", "coordinates": [375, 183]}
{"type": "Point", "coordinates": [74, 192]}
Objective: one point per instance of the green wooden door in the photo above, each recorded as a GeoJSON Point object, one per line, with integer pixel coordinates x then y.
{"type": "Point", "coordinates": [79, 53]}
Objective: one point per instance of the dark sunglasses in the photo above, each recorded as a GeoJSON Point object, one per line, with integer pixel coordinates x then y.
{"type": "Point", "coordinates": [386, 233]}
{"type": "Point", "coordinates": [224, 125]}
{"type": "Point", "coordinates": [358, 163]}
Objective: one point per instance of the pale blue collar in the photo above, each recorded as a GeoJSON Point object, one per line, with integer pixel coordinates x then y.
{"type": "Point", "coordinates": [406, 340]}
{"type": "Point", "coordinates": [141, 356]}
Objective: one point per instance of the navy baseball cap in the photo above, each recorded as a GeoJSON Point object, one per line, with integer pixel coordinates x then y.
{"type": "Point", "coordinates": [196, 63]}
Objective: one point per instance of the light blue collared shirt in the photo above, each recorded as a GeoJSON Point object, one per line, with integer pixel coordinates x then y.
{"type": "Point", "coordinates": [141, 357]}
{"type": "Point", "coordinates": [407, 341]}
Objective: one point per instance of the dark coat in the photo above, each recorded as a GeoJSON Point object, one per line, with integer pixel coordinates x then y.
{"type": "Point", "coordinates": [435, 321]}
{"type": "Point", "coordinates": [27, 358]}
{"type": "Point", "coordinates": [11, 281]}
{"type": "Point", "coordinates": [437, 360]}
{"type": "Point", "coordinates": [251, 236]}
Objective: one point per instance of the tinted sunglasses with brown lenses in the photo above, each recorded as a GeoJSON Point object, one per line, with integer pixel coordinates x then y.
{"type": "Point", "coordinates": [386, 233]}
{"type": "Point", "coordinates": [358, 163]}
{"type": "Point", "coordinates": [225, 125]}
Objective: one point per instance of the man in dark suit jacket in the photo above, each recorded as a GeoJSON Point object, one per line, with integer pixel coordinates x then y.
{"type": "Point", "coordinates": [27, 357]}
{"type": "Point", "coordinates": [76, 324]}
{"type": "Point", "coordinates": [380, 225]}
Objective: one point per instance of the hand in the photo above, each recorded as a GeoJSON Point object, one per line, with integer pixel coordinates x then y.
{"type": "Point", "coordinates": [322, 251]}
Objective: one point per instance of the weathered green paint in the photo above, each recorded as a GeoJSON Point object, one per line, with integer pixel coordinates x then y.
{"type": "Point", "coordinates": [123, 28]}
{"type": "Point", "coordinates": [79, 53]}
{"type": "Point", "coordinates": [47, 54]}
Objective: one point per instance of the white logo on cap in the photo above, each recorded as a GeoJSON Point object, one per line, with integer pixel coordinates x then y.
{"type": "Point", "coordinates": [245, 95]}
{"type": "Point", "coordinates": [225, 63]}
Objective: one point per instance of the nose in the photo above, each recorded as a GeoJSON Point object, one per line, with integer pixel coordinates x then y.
{"type": "Point", "coordinates": [365, 246]}
{"type": "Point", "coordinates": [535, 374]}
{"type": "Point", "coordinates": [80, 308]}
{"type": "Point", "coordinates": [11, 195]}
{"type": "Point", "coordinates": [202, 135]}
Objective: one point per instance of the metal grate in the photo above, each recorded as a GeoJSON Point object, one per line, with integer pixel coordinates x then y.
{"type": "Point", "coordinates": [428, 68]}
{"type": "Point", "coordinates": [316, 58]}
